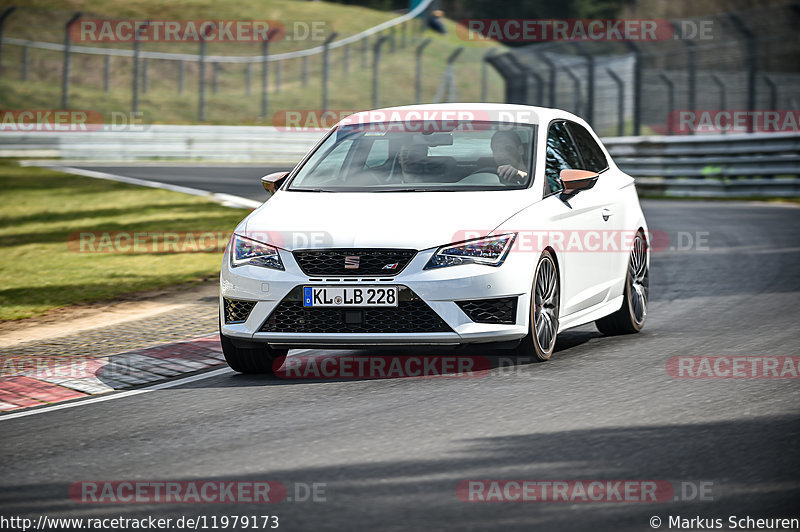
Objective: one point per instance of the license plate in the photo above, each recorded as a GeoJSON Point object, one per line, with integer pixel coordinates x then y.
{"type": "Point", "coordinates": [350, 296]}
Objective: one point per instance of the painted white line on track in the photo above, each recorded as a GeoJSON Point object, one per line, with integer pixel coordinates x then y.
{"type": "Point", "coordinates": [225, 199]}
{"type": "Point", "coordinates": [119, 395]}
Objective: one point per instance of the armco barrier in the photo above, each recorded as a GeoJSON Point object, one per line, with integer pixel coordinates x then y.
{"type": "Point", "coordinates": [757, 164]}
{"type": "Point", "coordinates": [754, 164]}
{"type": "Point", "coordinates": [176, 143]}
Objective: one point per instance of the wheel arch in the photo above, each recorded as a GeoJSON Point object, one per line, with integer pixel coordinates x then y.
{"type": "Point", "coordinates": [558, 271]}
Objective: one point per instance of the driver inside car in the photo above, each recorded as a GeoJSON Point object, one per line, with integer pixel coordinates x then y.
{"type": "Point", "coordinates": [412, 160]}
{"type": "Point", "coordinates": [509, 154]}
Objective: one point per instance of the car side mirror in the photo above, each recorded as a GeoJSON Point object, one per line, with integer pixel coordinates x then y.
{"type": "Point", "coordinates": [576, 180]}
{"type": "Point", "coordinates": [273, 181]}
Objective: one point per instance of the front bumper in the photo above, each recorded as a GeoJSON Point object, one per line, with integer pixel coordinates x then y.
{"type": "Point", "coordinates": [438, 288]}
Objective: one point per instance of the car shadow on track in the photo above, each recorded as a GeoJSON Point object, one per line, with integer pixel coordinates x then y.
{"type": "Point", "coordinates": [309, 366]}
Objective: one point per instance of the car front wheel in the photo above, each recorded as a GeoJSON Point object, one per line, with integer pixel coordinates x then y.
{"type": "Point", "coordinates": [631, 316]}
{"type": "Point", "coordinates": [543, 323]}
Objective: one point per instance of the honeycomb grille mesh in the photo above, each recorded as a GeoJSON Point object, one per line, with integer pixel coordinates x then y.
{"type": "Point", "coordinates": [237, 310]}
{"type": "Point", "coordinates": [375, 262]}
{"type": "Point", "coordinates": [501, 310]}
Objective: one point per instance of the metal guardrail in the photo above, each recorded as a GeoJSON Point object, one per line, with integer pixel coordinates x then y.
{"type": "Point", "coordinates": [200, 143]}
{"type": "Point", "coordinates": [758, 164]}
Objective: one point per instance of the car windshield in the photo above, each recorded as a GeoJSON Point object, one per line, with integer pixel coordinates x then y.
{"type": "Point", "coordinates": [393, 156]}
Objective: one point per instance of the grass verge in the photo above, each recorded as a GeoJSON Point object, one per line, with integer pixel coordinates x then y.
{"type": "Point", "coordinates": [40, 270]}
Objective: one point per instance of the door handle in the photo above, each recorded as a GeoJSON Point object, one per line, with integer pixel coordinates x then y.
{"type": "Point", "coordinates": [607, 214]}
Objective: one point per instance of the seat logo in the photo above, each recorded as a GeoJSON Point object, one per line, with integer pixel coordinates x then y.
{"type": "Point", "coordinates": [351, 263]}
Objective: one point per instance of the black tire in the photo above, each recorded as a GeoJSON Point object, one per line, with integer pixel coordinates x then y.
{"type": "Point", "coordinates": [257, 359]}
{"type": "Point", "coordinates": [632, 314]}
{"type": "Point", "coordinates": [544, 311]}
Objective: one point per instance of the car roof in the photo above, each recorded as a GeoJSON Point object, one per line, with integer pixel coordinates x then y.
{"type": "Point", "coordinates": [512, 113]}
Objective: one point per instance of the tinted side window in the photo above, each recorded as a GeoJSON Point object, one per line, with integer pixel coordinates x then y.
{"type": "Point", "coordinates": [561, 155]}
{"type": "Point", "coordinates": [593, 157]}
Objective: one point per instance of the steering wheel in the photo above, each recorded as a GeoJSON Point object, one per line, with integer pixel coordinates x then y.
{"type": "Point", "coordinates": [486, 170]}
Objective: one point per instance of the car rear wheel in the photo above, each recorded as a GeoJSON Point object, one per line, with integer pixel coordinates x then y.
{"type": "Point", "coordinates": [543, 323]}
{"type": "Point", "coordinates": [254, 359]}
{"type": "Point", "coordinates": [631, 316]}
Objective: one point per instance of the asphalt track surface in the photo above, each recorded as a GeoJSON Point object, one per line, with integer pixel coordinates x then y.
{"type": "Point", "coordinates": [391, 452]}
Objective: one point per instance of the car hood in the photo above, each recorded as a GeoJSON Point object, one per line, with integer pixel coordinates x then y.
{"type": "Point", "coordinates": [419, 220]}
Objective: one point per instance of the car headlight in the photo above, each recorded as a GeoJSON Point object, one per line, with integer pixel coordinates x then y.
{"type": "Point", "coordinates": [491, 251]}
{"type": "Point", "coordinates": [249, 251]}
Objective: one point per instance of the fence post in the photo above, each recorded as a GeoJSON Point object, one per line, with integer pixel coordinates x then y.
{"type": "Point", "coordinates": [447, 88]}
{"type": "Point", "coordinates": [752, 65]}
{"type": "Point", "coordinates": [392, 42]}
{"type": "Point", "coordinates": [589, 82]}
{"type": "Point", "coordinates": [418, 79]}
{"type": "Point", "coordinates": [107, 73]}
{"type": "Point", "coordinates": [403, 38]}
{"type": "Point", "coordinates": [364, 46]}
{"type": "Point", "coordinates": [305, 70]}
{"type": "Point", "coordinates": [346, 58]}
{"type": "Point", "coordinates": [528, 73]}
{"type": "Point", "coordinates": [145, 78]}
{"type": "Point", "coordinates": [65, 73]}
{"type": "Point", "coordinates": [576, 99]}
{"type": "Point", "coordinates": [553, 78]}
{"type": "Point", "coordinates": [670, 100]}
{"type": "Point", "coordinates": [722, 93]}
{"type": "Point", "coordinates": [201, 105]}
{"type": "Point", "coordinates": [485, 74]}
{"type": "Point", "coordinates": [3, 18]}
{"type": "Point", "coordinates": [264, 77]}
{"type": "Point", "coordinates": [181, 75]}
{"type": "Point", "coordinates": [620, 101]}
{"type": "Point", "coordinates": [691, 69]}
{"type": "Point", "coordinates": [637, 87]}
{"type": "Point", "coordinates": [135, 88]}
{"type": "Point", "coordinates": [539, 86]}
{"type": "Point", "coordinates": [25, 63]}
{"type": "Point", "coordinates": [248, 87]}
{"type": "Point", "coordinates": [326, 68]}
{"type": "Point", "coordinates": [278, 76]}
{"type": "Point", "coordinates": [215, 77]}
{"type": "Point", "coordinates": [773, 92]}
{"type": "Point", "coordinates": [516, 90]}
{"type": "Point", "coordinates": [376, 60]}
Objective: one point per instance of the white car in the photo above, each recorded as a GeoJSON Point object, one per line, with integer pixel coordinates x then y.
{"type": "Point", "coordinates": [445, 224]}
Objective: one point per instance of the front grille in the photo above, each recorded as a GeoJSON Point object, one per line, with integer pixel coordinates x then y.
{"type": "Point", "coordinates": [377, 262]}
{"type": "Point", "coordinates": [237, 310]}
{"type": "Point", "coordinates": [500, 310]}
{"type": "Point", "coordinates": [412, 315]}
